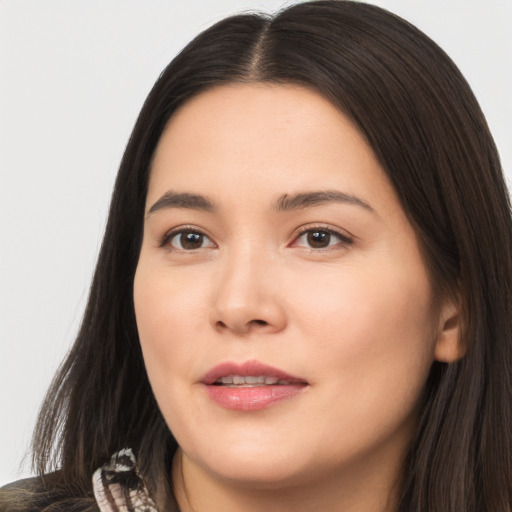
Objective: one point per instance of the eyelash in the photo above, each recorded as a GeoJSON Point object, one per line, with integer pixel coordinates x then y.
{"type": "Point", "coordinates": [345, 240]}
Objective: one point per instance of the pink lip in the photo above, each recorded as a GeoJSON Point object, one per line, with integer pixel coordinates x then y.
{"type": "Point", "coordinates": [255, 397]}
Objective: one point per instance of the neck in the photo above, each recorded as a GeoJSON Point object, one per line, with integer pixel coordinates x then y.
{"type": "Point", "coordinates": [352, 489]}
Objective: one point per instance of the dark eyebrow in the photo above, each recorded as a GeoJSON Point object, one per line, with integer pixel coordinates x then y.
{"type": "Point", "coordinates": [308, 199]}
{"type": "Point", "coordinates": [183, 200]}
{"type": "Point", "coordinates": [285, 202]}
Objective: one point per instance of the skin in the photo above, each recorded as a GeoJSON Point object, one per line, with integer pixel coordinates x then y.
{"type": "Point", "coordinates": [355, 319]}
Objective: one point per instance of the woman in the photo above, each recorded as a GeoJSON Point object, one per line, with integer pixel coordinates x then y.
{"type": "Point", "coordinates": [302, 301]}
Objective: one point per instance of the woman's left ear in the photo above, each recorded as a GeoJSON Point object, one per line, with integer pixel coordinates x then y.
{"type": "Point", "coordinates": [449, 344]}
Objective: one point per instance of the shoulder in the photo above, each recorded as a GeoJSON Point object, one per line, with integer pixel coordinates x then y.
{"type": "Point", "coordinates": [26, 483]}
{"type": "Point", "coordinates": [26, 494]}
{"type": "Point", "coordinates": [36, 494]}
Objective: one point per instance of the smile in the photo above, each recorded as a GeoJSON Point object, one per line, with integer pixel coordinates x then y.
{"type": "Point", "coordinates": [250, 381]}
{"type": "Point", "coordinates": [250, 386]}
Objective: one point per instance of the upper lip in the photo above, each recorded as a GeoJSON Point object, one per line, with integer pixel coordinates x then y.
{"type": "Point", "coordinates": [249, 369]}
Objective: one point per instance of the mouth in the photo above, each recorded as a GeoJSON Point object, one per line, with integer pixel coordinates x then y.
{"type": "Point", "coordinates": [251, 385]}
{"type": "Point", "coordinates": [250, 373]}
{"type": "Point", "coordinates": [234, 381]}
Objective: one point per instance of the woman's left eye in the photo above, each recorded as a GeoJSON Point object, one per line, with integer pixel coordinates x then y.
{"type": "Point", "coordinates": [318, 238]}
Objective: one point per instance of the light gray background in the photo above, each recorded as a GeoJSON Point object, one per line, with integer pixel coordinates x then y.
{"type": "Point", "coordinates": [73, 76]}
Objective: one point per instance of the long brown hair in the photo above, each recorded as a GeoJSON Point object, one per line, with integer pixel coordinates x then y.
{"type": "Point", "coordinates": [421, 119]}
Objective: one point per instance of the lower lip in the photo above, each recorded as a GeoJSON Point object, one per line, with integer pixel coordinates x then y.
{"type": "Point", "coordinates": [252, 398]}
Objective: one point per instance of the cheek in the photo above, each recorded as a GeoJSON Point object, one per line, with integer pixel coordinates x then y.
{"type": "Point", "coordinates": [360, 304]}
{"type": "Point", "coordinates": [370, 349]}
{"type": "Point", "coordinates": [167, 332]}
{"type": "Point", "coordinates": [167, 312]}
{"type": "Point", "coordinates": [372, 332]}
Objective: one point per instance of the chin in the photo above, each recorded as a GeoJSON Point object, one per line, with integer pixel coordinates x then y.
{"type": "Point", "coordinates": [260, 475]}
{"type": "Point", "coordinates": [255, 467]}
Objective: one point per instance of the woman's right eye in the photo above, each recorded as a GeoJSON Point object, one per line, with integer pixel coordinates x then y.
{"type": "Point", "coordinates": [187, 240]}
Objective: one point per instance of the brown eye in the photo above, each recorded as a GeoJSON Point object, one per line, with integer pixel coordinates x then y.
{"type": "Point", "coordinates": [318, 239]}
{"type": "Point", "coordinates": [189, 241]}
{"type": "Point", "coordinates": [322, 239]}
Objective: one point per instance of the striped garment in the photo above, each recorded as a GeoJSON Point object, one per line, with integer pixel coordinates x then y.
{"type": "Point", "coordinates": [118, 487]}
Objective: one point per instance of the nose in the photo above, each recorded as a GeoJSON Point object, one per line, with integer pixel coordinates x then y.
{"type": "Point", "coordinates": [246, 297]}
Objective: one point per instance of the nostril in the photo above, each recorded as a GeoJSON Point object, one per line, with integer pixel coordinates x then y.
{"type": "Point", "coordinates": [244, 327]}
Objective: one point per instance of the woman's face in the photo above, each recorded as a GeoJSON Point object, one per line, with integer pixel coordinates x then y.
{"type": "Point", "coordinates": [284, 310]}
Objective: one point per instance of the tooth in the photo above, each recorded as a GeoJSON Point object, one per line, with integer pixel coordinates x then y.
{"type": "Point", "coordinates": [239, 380]}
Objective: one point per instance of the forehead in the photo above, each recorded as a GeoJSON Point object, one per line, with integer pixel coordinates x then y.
{"type": "Point", "coordinates": [260, 114]}
{"type": "Point", "coordinates": [243, 140]}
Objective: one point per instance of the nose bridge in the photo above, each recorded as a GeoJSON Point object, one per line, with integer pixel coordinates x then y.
{"type": "Point", "coordinates": [246, 290]}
